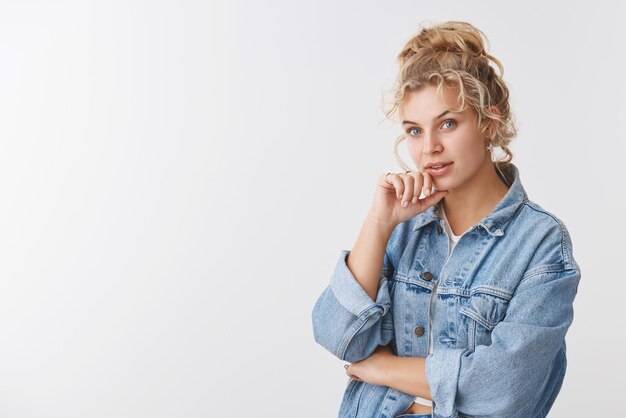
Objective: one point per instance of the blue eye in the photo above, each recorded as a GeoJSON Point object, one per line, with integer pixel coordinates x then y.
{"type": "Point", "coordinates": [449, 124]}
{"type": "Point", "coordinates": [412, 129]}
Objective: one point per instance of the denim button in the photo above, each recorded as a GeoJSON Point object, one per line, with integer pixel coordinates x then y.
{"type": "Point", "coordinates": [439, 230]}
{"type": "Point", "coordinates": [428, 276]}
{"type": "Point", "coordinates": [419, 331]}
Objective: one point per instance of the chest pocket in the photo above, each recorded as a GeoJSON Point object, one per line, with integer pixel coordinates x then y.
{"type": "Point", "coordinates": [482, 312]}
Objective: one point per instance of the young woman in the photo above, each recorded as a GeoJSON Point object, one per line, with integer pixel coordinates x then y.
{"type": "Point", "coordinates": [455, 304]}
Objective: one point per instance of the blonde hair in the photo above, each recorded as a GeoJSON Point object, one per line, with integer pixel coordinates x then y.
{"type": "Point", "coordinates": [453, 54]}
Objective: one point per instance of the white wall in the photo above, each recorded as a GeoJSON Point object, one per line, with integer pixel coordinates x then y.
{"type": "Point", "coordinates": [177, 179]}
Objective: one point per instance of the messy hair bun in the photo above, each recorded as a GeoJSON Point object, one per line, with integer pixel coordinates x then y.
{"type": "Point", "coordinates": [453, 54]}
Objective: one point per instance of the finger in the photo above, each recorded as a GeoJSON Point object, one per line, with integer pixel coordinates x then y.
{"type": "Point", "coordinates": [384, 180]}
{"type": "Point", "coordinates": [398, 184]}
{"type": "Point", "coordinates": [428, 183]}
{"type": "Point", "coordinates": [354, 377]}
{"type": "Point", "coordinates": [418, 179]}
{"type": "Point", "coordinates": [429, 201]}
{"type": "Point", "coordinates": [408, 189]}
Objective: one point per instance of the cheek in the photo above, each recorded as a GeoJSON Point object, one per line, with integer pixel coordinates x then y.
{"type": "Point", "coordinates": [415, 151]}
{"type": "Point", "coordinates": [469, 148]}
{"type": "Point", "coordinates": [477, 151]}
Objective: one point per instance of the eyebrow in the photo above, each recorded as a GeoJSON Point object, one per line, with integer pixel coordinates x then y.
{"type": "Point", "coordinates": [404, 122]}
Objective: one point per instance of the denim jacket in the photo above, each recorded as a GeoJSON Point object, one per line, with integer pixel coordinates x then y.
{"type": "Point", "coordinates": [496, 311]}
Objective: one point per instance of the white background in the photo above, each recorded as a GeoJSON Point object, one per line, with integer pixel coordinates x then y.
{"type": "Point", "coordinates": [177, 179]}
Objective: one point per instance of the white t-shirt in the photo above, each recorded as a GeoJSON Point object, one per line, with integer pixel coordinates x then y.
{"type": "Point", "coordinates": [452, 239]}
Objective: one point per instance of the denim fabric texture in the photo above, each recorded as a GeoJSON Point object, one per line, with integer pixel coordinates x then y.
{"type": "Point", "coordinates": [502, 304]}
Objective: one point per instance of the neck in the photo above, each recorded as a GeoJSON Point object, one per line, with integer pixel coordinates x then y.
{"type": "Point", "coordinates": [467, 205]}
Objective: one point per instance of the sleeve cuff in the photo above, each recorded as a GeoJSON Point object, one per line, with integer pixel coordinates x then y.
{"type": "Point", "coordinates": [442, 373]}
{"type": "Point", "coordinates": [351, 295]}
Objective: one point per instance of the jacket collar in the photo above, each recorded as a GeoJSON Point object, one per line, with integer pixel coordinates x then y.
{"type": "Point", "coordinates": [500, 215]}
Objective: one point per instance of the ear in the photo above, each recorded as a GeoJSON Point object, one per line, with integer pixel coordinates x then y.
{"type": "Point", "coordinates": [492, 123]}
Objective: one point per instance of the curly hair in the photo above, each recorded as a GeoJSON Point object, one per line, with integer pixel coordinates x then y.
{"type": "Point", "coordinates": [452, 54]}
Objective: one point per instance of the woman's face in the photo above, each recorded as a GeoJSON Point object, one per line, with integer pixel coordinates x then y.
{"type": "Point", "coordinates": [435, 133]}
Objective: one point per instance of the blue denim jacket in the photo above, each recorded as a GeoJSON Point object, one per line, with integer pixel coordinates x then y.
{"type": "Point", "coordinates": [496, 312]}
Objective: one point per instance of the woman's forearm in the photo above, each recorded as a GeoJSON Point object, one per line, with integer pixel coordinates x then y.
{"type": "Point", "coordinates": [408, 375]}
{"type": "Point", "coordinates": [365, 261]}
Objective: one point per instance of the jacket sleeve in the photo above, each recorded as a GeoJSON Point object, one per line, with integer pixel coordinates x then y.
{"type": "Point", "coordinates": [507, 377]}
{"type": "Point", "coordinates": [346, 321]}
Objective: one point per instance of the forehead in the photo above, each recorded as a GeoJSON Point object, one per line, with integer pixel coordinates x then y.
{"type": "Point", "coordinates": [426, 103]}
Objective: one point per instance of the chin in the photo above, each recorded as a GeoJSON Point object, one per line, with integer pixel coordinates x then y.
{"type": "Point", "coordinates": [452, 181]}
{"type": "Point", "coordinates": [443, 184]}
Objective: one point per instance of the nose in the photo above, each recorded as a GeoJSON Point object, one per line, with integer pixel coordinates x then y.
{"type": "Point", "coordinates": [431, 144]}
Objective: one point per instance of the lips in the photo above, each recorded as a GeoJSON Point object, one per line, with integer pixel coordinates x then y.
{"type": "Point", "coordinates": [443, 169]}
{"type": "Point", "coordinates": [437, 165]}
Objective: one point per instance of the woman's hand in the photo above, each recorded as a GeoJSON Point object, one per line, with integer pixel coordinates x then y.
{"type": "Point", "coordinates": [397, 197]}
{"type": "Point", "coordinates": [385, 368]}
{"type": "Point", "coordinates": [372, 369]}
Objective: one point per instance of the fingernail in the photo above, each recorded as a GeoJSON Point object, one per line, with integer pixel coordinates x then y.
{"type": "Point", "coordinates": [405, 204]}
{"type": "Point", "coordinates": [414, 199]}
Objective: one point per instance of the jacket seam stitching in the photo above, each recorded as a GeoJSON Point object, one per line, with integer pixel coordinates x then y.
{"type": "Point", "coordinates": [546, 270]}
{"type": "Point", "coordinates": [562, 230]}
